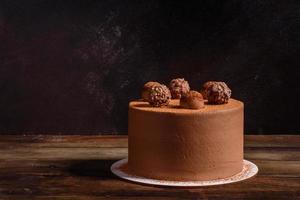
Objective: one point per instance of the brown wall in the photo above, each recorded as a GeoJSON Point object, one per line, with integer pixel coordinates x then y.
{"type": "Point", "coordinates": [72, 66]}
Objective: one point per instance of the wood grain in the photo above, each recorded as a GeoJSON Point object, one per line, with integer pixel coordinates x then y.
{"type": "Point", "coordinates": [78, 167]}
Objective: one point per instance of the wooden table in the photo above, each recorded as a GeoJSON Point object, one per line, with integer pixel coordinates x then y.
{"type": "Point", "coordinates": [78, 167]}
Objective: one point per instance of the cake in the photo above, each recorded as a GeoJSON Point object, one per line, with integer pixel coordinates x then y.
{"type": "Point", "coordinates": [182, 144]}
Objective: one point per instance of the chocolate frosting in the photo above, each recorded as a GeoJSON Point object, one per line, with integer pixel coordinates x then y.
{"type": "Point", "coordinates": [173, 143]}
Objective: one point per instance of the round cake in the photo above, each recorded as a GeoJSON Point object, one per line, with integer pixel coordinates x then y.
{"type": "Point", "coordinates": [173, 143]}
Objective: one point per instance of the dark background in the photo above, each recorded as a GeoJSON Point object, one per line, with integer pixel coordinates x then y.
{"type": "Point", "coordinates": [72, 66]}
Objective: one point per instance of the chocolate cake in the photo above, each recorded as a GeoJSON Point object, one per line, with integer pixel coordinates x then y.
{"type": "Point", "coordinates": [181, 144]}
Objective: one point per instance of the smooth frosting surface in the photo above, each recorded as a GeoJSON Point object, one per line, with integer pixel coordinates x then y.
{"type": "Point", "coordinates": [173, 143]}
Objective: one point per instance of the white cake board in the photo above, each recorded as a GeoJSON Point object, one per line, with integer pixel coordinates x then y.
{"type": "Point", "coordinates": [249, 170]}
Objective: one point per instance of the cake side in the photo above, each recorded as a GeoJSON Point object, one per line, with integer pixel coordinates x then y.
{"type": "Point", "coordinates": [172, 143]}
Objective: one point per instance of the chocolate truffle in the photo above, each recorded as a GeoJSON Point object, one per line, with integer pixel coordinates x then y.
{"type": "Point", "coordinates": [179, 87]}
{"type": "Point", "coordinates": [204, 88]}
{"type": "Point", "coordinates": [146, 89]}
{"type": "Point", "coordinates": [159, 95]}
{"type": "Point", "coordinates": [218, 93]}
{"type": "Point", "coordinates": [192, 100]}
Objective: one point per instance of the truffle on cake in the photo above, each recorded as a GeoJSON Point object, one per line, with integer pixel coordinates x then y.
{"type": "Point", "coordinates": [217, 93]}
{"type": "Point", "coordinates": [159, 95]}
{"type": "Point", "coordinates": [204, 88]}
{"type": "Point", "coordinates": [146, 88]}
{"type": "Point", "coordinates": [179, 87]}
{"type": "Point", "coordinates": [192, 100]}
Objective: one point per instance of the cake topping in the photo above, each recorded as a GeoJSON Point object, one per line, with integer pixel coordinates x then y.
{"type": "Point", "coordinates": [159, 95]}
{"type": "Point", "coordinates": [179, 87]}
{"type": "Point", "coordinates": [217, 92]}
{"type": "Point", "coordinates": [204, 88]}
{"type": "Point", "coordinates": [192, 100]}
{"type": "Point", "coordinates": [146, 89]}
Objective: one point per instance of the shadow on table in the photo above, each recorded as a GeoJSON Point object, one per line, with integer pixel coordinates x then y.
{"type": "Point", "coordinates": [92, 168]}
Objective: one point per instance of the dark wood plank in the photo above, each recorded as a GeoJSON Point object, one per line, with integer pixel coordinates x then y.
{"type": "Point", "coordinates": [272, 141]}
{"type": "Point", "coordinates": [64, 141]}
{"type": "Point", "coordinates": [78, 167]}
